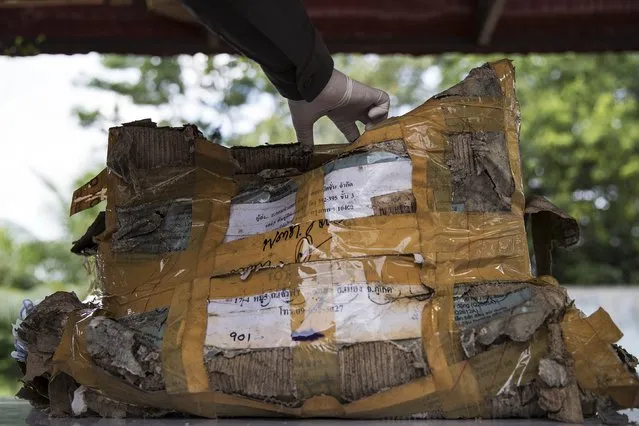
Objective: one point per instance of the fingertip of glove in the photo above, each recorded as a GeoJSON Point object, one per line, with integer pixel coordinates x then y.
{"type": "Point", "coordinates": [378, 113]}
{"type": "Point", "coordinates": [383, 98]}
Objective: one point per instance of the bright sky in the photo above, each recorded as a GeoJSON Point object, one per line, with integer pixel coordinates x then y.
{"type": "Point", "coordinates": [39, 136]}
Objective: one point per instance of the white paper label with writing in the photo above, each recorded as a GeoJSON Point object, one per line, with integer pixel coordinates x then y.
{"type": "Point", "coordinates": [374, 312]}
{"type": "Point", "coordinates": [348, 191]}
{"type": "Point", "coordinates": [347, 195]}
{"type": "Point", "coordinates": [473, 310]}
{"type": "Point", "coordinates": [358, 312]}
{"type": "Point", "coordinates": [261, 321]}
{"type": "Point", "coordinates": [255, 218]}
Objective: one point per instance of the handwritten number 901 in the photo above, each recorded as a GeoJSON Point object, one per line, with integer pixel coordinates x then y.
{"type": "Point", "coordinates": [240, 337]}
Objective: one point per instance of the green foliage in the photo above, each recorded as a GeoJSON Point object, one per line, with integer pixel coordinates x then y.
{"type": "Point", "coordinates": [158, 81]}
{"type": "Point", "coordinates": [24, 47]}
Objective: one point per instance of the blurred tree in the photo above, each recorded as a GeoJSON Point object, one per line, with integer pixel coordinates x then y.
{"type": "Point", "coordinates": [231, 95]}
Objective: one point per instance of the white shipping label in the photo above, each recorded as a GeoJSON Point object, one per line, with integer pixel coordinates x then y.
{"type": "Point", "coordinates": [348, 191]}
{"type": "Point", "coordinates": [347, 195]}
{"type": "Point", "coordinates": [255, 218]}
{"type": "Point", "coordinates": [373, 312]}
{"type": "Point", "coordinates": [359, 312]}
{"type": "Point", "coordinates": [473, 310]}
{"type": "Point", "coordinates": [250, 322]}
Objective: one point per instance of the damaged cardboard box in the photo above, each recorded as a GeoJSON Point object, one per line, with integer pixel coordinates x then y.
{"type": "Point", "coordinates": [386, 278]}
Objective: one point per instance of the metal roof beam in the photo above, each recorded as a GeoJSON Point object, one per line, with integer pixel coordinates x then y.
{"type": "Point", "coordinates": [488, 12]}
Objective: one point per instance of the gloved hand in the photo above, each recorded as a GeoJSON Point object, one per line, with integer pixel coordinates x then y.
{"type": "Point", "coordinates": [345, 102]}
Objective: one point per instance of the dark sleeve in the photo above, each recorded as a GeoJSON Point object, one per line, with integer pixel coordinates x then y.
{"type": "Point", "coordinates": [278, 35]}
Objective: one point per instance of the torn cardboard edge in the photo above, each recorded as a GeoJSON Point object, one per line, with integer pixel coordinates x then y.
{"type": "Point", "coordinates": [90, 194]}
{"type": "Point", "coordinates": [550, 226]}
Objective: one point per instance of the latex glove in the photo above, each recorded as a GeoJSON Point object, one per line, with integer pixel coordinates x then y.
{"type": "Point", "coordinates": [344, 101]}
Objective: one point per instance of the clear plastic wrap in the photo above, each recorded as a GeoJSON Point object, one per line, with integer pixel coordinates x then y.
{"type": "Point", "coordinates": [386, 278]}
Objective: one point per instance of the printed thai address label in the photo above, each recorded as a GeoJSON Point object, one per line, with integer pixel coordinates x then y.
{"type": "Point", "coordinates": [349, 187]}
{"type": "Point", "coordinates": [354, 313]}
{"type": "Point", "coordinates": [348, 191]}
